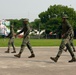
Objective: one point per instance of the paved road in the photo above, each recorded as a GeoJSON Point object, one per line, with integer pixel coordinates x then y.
{"type": "Point", "coordinates": [40, 65]}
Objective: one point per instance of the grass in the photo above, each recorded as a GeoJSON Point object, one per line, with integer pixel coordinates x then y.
{"type": "Point", "coordinates": [34, 42]}
{"type": "Point", "coordinates": [45, 42]}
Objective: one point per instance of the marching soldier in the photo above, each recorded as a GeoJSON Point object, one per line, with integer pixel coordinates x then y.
{"type": "Point", "coordinates": [25, 42]}
{"type": "Point", "coordinates": [11, 40]}
{"type": "Point", "coordinates": [66, 32]}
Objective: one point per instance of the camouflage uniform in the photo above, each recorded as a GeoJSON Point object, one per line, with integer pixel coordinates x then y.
{"type": "Point", "coordinates": [11, 40]}
{"type": "Point", "coordinates": [71, 41]}
{"type": "Point", "coordinates": [25, 42]}
{"type": "Point", "coordinates": [66, 32]}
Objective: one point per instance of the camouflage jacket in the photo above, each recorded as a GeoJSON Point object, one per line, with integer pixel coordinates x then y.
{"type": "Point", "coordinates": [67, 29]}
{"type": "Point", "coordinates": [26, 30]}
{"type": "Point", "coordinates": [11, 34]}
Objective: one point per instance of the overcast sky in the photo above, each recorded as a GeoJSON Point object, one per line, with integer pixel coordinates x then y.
{"type": "Point", "coordinates": [17, 9]}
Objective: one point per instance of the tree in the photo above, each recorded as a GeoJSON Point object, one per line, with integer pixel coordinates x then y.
{"type": "Point", "coordinates": [52, 17]}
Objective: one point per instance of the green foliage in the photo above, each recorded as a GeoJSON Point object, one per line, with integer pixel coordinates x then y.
{"type": "Point", "coordinates": [52, 17]}
{"type": "Point", "coordinates": [17, 24]}
{"type": "Point", "coordinates": [52, 24]}
{"type": "Point", "coordinates": [36, 24]}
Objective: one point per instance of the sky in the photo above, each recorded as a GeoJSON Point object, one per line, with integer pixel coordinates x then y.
{"type": "Point", "coordinates": [17, 9]}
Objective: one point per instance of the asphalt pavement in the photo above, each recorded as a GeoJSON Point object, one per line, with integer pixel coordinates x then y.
{"type": "Point", "coordinates": [40, 65]}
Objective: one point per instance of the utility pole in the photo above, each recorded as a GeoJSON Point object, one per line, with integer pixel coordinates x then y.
{"type": "Point", "coordinates": [39, 30]}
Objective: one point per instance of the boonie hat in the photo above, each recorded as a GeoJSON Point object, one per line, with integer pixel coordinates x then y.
{"type": "Point", "coordinates": [65, 16]}
{"type": "Point", "coordinates": [26, 19]}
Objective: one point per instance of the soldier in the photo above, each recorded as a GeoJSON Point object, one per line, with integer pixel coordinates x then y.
{"type": "Point", "coordinates": [25, 42]}
{"type": "Point", "coordinates": [11, 40]}
{"type": "Point", "coordinates": [66, 32]}
{"type": "Point", "coordinates": [71, 37]}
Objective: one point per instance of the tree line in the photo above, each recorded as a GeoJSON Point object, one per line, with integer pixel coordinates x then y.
{"type": "Point", "coordinates": [50, 19]}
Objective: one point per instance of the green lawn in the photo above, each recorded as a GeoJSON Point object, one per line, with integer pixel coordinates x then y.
{"type": "Point", "coordinates": [34, 42]}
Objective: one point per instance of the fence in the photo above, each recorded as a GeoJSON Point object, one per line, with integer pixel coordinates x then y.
{"type": "Point", "coordinates": [44, 36]}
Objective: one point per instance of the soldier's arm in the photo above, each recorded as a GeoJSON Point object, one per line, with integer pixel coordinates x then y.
{"type": "Point", "coordinates": [20, 32]}
{"type": "Point", "coordinates": [69, 29]}
{"type": "Point", "coordinates": [28, 31]}
{"type": "Point", "coordinates": [9, 35]}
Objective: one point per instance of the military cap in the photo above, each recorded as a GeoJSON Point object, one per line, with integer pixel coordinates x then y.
{"type": "Point", "coordinates": [65, 16]}
{"type": "Point", "coordinates": [26, 19]}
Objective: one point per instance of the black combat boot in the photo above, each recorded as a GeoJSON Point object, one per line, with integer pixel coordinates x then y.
{"type": "Point", "coordinates": [7, 51]}
{"type": "Point", "coordinates": [32, 56]}
{"type": "Point", "coordinates": [54, 58]}
{"type": "Point", "coordinates": [17, 55]}
{"type": "Point", "coordinates": [73, 59]}
{"type": "Point", "coordinates": [13, 52]}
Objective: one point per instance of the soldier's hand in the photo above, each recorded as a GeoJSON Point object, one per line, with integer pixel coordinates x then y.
{"type": "Point", "coordinates": [51, 33]}
{"type": "Point", "coordinates": [63, 35]}
{"type": "Point", "coordinates": [15, 36]}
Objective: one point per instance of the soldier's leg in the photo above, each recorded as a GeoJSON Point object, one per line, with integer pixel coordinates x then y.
{"type": "Point", "coordinates": [22, 48]}
{"type": "Point", "coordinates": [14, 50]}
{"type": "Point", "coordinates": [20, 52]}
{"type": "Point", "coordinates": [71, 43]}
{"type": "Point", "coordinates": [12, 43]}
{"type": "Point", "coordinates": [71, 52]}
{"type": "Point", "coordinates": [61, 48]}
{"type": "Point", "coordinates": [31, 50]}
{"type": "Point", "coordinates": [8, 49]}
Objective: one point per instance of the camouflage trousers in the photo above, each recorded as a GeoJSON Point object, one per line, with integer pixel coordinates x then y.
{"type": "Point", "coordinates": [11, 43]}
{"type": "Point", "coordinates": [26, 42]}
{"type": "Point", "coordinates": [65, 42]}
{"type": "Point", "coordinates": [71, 42]}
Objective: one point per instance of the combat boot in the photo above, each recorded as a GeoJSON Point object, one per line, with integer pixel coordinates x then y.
{"type": "Point", "coordinates": [13, 52]}
{"type": "Point", "coordinates": [54, 59]}
{"type": "Point", "coordinates": [73, 60]}
{"type": "Point", "coordinates": [7, 51]}
{"type": "Point", "coordinates": [17, 55]}
{"type": "Point", "coordinates": [32, 56]}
